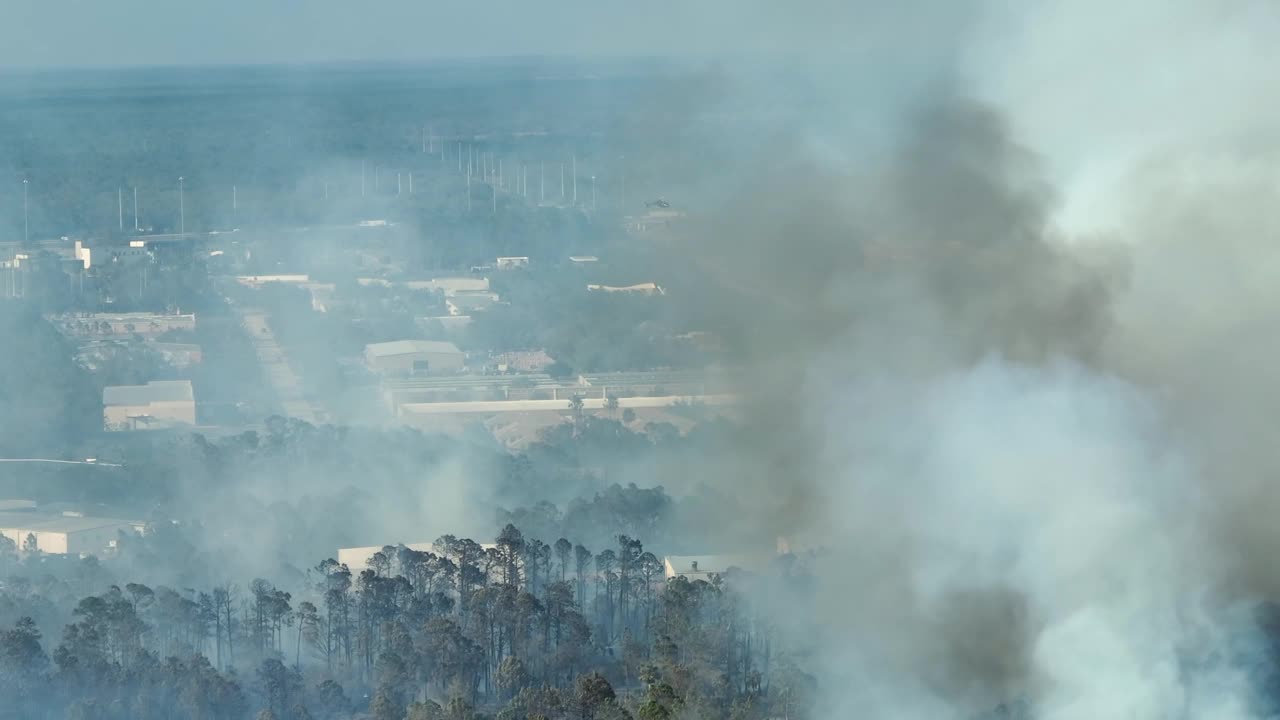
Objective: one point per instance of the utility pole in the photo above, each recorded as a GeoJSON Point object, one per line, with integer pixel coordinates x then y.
{"type": "Point", "coordinates": [410, 182]}
{"type": "Point", "coordinates": [494, 189]}
{"type": "Point", "coordinates": [26, 226]}
{"type": "Point", "coordinates": [399, 187]}
{"type": "Point", "coordinates": [574, 176]}
{"type": "Point", "coordinates": [182, 210]}
{"type": "Point", "coordinates": [120, 206]}
{"type": "Point", "coordinates": [593, 193]}
{"type": "Point", "coordinates": [468, 193]}
{"type": "Point", "coordinates": [136, 226]}
{"type": "Point", "coordinates": [562, 183]}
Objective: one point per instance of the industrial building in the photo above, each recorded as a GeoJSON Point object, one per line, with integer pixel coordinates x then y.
{"type": "Point", "coordinates": [450, 286]}
{"type": "Point", "coordinates": [403, 357]}
{"type": "Point", "coordinates": [461, 304]}
{"type": "Point", "coordinates": [102, 324]}
{"type": "Point", "coordinates": [511, 263]}
{"type": "Point", "coordinates": [158, 404]}
{"type": "Point", "coordinates": [683, 386]}
{"type": "Point", "coordinates": [708, 567]}
{"type": "Point", "coordinates": [357, 558]}
{"type": "Point", "coordinates": [638, 289]}
{"type": "Point", "coordinates": [65, 534]}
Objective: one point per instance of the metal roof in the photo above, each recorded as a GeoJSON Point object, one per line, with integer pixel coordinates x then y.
{"type": "Point", "coordinates": [154, 391]}
{"type": "Point", "coordinates": [713, 564]}
{"type": "Point", "coordinates": [408, 347]}
{"type": "Point", "coordinates": [40, 522]}
{"type": "Point", "coordinates": [472, 301]}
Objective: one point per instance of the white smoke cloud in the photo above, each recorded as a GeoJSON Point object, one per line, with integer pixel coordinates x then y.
{"type": "Point", "coordinates": [1102, 89]}
{"type": "Point", "coordinates": [1053, 498]}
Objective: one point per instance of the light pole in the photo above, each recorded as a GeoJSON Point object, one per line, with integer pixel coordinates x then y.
{"type": "Point", "coordinates": [182, 210]}
{"type": "Point", "coordinates": [26, 227]}
{"type": "Point", "coordinates": [593, 193]}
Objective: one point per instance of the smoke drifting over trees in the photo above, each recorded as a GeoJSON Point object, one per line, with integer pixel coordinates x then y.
{"type": "Point", "coordinates": [1026, 432]}
{"type": "Point", "coordinates": [996, 280]}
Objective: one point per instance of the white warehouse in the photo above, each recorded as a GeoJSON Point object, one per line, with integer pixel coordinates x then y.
{"type": "Point", "coordinates": [66, 534]}
{"type": "Point", "coordinates": [414, 357]}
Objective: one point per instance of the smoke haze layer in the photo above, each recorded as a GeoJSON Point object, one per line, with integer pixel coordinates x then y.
{"type": "Point", "coordinates": [1008, 361]}
{"type": "Point", "coordinates": [1002, 278]}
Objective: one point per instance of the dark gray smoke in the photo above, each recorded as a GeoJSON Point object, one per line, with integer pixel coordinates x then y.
{"type": "Point", "coordinates": [1014, 373]}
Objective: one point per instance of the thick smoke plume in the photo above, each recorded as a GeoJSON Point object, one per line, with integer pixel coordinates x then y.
{"type": "Point", "coordinates": [1031, 426]}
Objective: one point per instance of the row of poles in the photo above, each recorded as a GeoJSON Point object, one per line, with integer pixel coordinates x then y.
{"type": "Point", "coordinates": [482, 166]}
{"type": "Point", "coordinates": [182, 208]}
{"type": "Point", "coordinates": [489, 170]}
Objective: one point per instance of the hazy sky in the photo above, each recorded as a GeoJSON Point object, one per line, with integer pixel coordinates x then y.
{"type": "Point", "coordinates": [35, 33]}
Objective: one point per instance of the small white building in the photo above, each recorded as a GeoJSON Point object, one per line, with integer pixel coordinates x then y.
{"type": "Point", "coordinates": [414, 356]}
{"type": "Point", "coordinates": [158, 404]}
{"type": "Point", "coordinates": [65, 534]}
{"type": "Point", "coordinates": [511, 263]}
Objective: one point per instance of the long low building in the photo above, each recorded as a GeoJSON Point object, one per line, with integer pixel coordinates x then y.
{"type": "Point", "coordinates": [357, 558]}
{"type": "Point", "coordinates": [501, 406]}
{"type": "Point", "coordinates": [707, 567]}
{"type": "Point", "coordinates": [100, 324]}
{"type": "Point", "coordinates": [158, 404]}
{"type": "Point", "coordinates": [65, 534]}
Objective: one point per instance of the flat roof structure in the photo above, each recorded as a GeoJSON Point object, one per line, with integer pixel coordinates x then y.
{"type": "Point", "coordinates": [65, 523]}
{"type": "Point", "coordinates": [702, 567]}
{"type": "Point", "coordinates": [153, 392]}
{"type": "Point", "coordinates": [408, 347]}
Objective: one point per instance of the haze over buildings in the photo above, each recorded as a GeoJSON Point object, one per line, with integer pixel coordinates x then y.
{"type": "Point", "coordinates": [949, 325]}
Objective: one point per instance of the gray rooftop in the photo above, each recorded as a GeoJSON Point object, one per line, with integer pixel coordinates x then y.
{"type": "Point", "coordinates": [154, 391]}
{"type": "Point", "coordinates": [718, 564]}
{"type": "Point", "coordinates": [408, 347]}
{"type": "Point", "coordinates": [43, 522]}
{"type": "Point", "coordinates": [469, 301]}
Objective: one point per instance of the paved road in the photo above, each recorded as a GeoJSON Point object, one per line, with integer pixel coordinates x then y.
{"type": "Point", "coordinates": [283, 379]}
